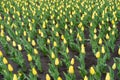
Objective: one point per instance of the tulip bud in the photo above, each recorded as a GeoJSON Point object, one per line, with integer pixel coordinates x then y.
{"type": "Point", "coordinates": [29, 57]}
{"type": "Point", "coordinates": [5, 60]}
{"type": "Point", "coordinates": [83, 49]}
{"type": "Point", "coordinates": [48, 41]}
{"type": "Point", "coordinates": [54, 44]}
{"type": "Point", "coordinates": [71, 69]}
{"type": "Point", "coordinates": [14, 44]}
{"type": "Point", "coordinates": [97, 54]}
{"type": "Point", "coordinates": [24, 33]}
{"type": "Point", "coordinates": [10, 68]}
{"type": "Point", "coordinates": [109, 28]}
{"type": "Point", "coordinates": [35, 51]}
{"type": "Point", "coordinates": [114, 66]}
{"type": "Point", "coordinates": [92, 71]}
{"type": "Point", "coordinates": [95, 36]}
{"type": "Point", "coordinates": [57, 34]}
{"type": "Point", "coordinates": [95, 31]}
{"type": "Point", "coordinates": [66, 26]}
{"type": "Point", "coordinates": [56, 61]}
{"type": "Point", "coordinates": [59, 78]}
{"type": "Point", "coordinates": [47, 77]}
{"type": "Point", "coordinates": [57, 25]}
{"type": "Point", "coordinates": [29, 39]}
{"type": "Point", "coordinates": [33, 43]}
{"type": "Point", "coordinates": [100, 41]}
{"type": "Point", "coordinates": [103, 50]}
{"type": "Point", "coordinates": [15, 77]}
{"type": "Point", "coordinates": [19, 47]}
{"type": "Point", "coordinates": [72, 61]}
{"type": "Point", "coordinates": [85, 78]}
{"type": "Point", "coordinates": [34, 71]}
{"type": "Point", "coordinates": [52, 55]}
{"type": "Point", "coordinates": [107, 36]}
{"type": "Point", "coordinates": [62, 37]}
{"type": "Point", "coordinates": [65, 42]}
{"type": "Point", "coordinates": [113, 32]}
{"type": "Point", "coordinates": [70, 31]}
{"type": "Point", "coordinates": [8, 38]}
{"type": "Point", "coordinates": [1, 54]}
{"type": "Point", "coordinates": [107, 76]}
{"type": "Point", "coordinates": [113, 22]}
{"type": "Point", "coordinates": [67, 50]}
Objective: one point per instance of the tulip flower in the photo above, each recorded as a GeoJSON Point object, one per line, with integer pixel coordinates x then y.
{"type": "Point", "coordinates": [48, 77]}
{"type": "Point", "coordinates": [56, 61]}
{"type": "Point", "coordinates": [10, 68]}
{"type": "Point", "coordinates": [71, 69]}
{"type": "Point", "coordinates": [92, 71]}
{"type": "Point", "coordinates": [34, 71]}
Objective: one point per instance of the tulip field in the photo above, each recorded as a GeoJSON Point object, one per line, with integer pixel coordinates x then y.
{"type": "Point", "coordinates": [59, 39]}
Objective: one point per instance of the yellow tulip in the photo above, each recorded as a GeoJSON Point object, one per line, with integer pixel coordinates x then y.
{"type": "Point", "coordinates": [65, 42]}
{"type": "Point", "coordinates": [107, 76]}
{"type": "Point", "coordinates": [10, 68]}
{"type": "Point", "coordinates": [113, 22]}
{"type": "Point", "coordinates": [19, 47]}
{"type": "Point", "coordinates": [1, 54]}
{"type": "Point", "coordinates": [19, 73]}
{"type": "Point", "coordinates": [59, 78]}
{"type": "Point", "coordinates": [114, 26]}
{"type": "Point", "coordinates": [62, 37]}
{"type": "Point", "coordinates": [2, 33]}
{"type": "Point", "coordinates": [5, 60]}
{"type": "Point", "coordinates": [34, 71]}
{"type": "Point", "coordinates": [103, 50]}
{"type": "Point", "coordinates": [71, 69]}
{"type": "Point", "coordinates": [24, 33]}
{"type": "Point", "coordinates": [57, 25]}
{"type": "Point", "coordinates": [54, 44]}
{"type": "Point", "coordinates": [57, 34]}
{"type": "Point", "coordinates": [66, 26]}
{"type": "Point", "coordinates": [119, 51]}
{"type": "Point", "coordinates": [48, 77]}
{"type": "Point", "coordinates": [29, 39]}
{"type": "Point", "coordinates": [80, 38]}
{"type": "Point", "coordinates": [100, 41]}
{"type": "Point", "coordinates": [82, 28]}
{"type": "Point", "coordinates": [85, 78]}
{"type": "Point", "coordinates": [35, 51]}
{"type": "Point", "coordinates": [15, 77]}
{"type": "Point", "coordinates": [109, 28]}
{"type": "Point", "coordinates": [107, 36]}
{"type": "Point", "coordinates": [8, 38]}
{"type": "Point", "coordinates": [95, 31]}
{"type": "Point", "coordinates": [113, 32]}
{"type": "Point", "coordinates": [71, 31]}
{"type": "Point", "coordinates": [95, 36]}
{"type": "Point", "coordinates": [83, 49]}
{"type": "Point", "coordinates": [114, 66]}
{"type": "Point", "coordinates": [97, 54]}
{"type": "Point", "coordinates": [29, 57]}
{"type": "Point", "coordinates": [48, 41]}
{"type": "Point", "coordinates": [56, 61]}
{"type": "Point", "coordinates": [72, 61]}
{"type": "Point", "coordinates": [67, 50]}
{"type": "Point", "coordinates": [52, 55]}
{"type": "Point", "coordinates": [16, 33]}
{"type": "Point", "coordinates": [14, 44]}
{"type": "Point", "coordinates": [33, 43]}
{"type": "Point", "coordinates": [92, 71]}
